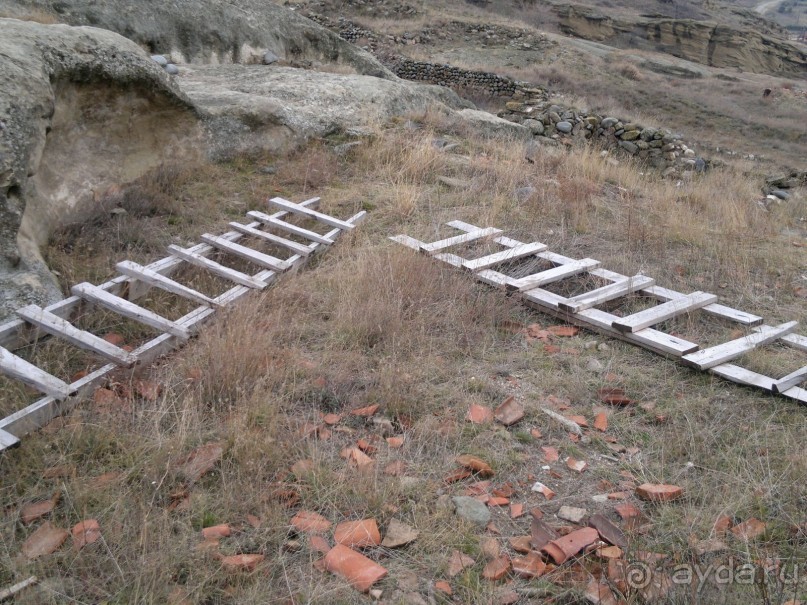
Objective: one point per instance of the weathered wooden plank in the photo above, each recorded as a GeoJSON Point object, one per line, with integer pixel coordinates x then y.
{"type": "Point", "coordinates": [458, 239]}
{"type": "Point", "coordinates": [554, 274]}
{"type": "Point", "coordinates": [743, 376]}
{"type": "Point", "coordinates": [503, 256]}
{"type": "Point", "coordinates": [217, 268]}
{"type": "Point", "coordinates": [7, 440]}
{"type": "Point", "coordinates": [451, 259]}
{"type": "Point", "coordinates": [308, 212]}
{"type": "Point", "coordinates": [797, 393]}
{"type": "Point", "coordinates": [409, 242]}
{"type": "Point", "coordinates": [18, 587]}
{"type": "Point", "coordinates": [123, 307]}
{"type": "Point", "coordinates": [39, 413]}
{"type": "Point", "coordinates": [289, 228]}
{"type": "Point", "coordinates": [741, 317]}
{"type": "Point", "coordinates": [661, 342]}
{"type": "Point", "coordinates": [55, 325]}
{"type": "Point", "coordinates": [259, 258]}
{"type": "Point", "coordinates": [796, 341]}
{"type": "Point", "coordinates": [28, 373]}
{"type": "Point", "coordinates": [545, 298]}
{"type": "Point", "coordinates": [606, 293]}
{"type": "Point", "coordinates": [157, 280]}
{"type": "Point", "coordinates": [673, 308]}
{"type": "Point", "coordinates": [496, 279]}
{"type": "Point", "coordinates": [713, 356]}
{"type": "Point", "coordinates": [300, 249]}
{"type": "Point", "coordinates": [791, 380]}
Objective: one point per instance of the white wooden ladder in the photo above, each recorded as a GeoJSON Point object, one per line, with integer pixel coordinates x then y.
{"type": "Point", "coordinates": [134, 281]}
{"type": "Point", "coordinates": [636, 328]}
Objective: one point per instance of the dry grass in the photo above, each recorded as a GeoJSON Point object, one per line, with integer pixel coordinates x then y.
{"type": "Point", "coordinates": [371, 322]}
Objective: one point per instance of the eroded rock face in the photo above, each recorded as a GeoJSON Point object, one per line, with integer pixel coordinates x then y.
{"type": "Point", "coordinates": [698, 41]}
{"type": "Point", "coordinates": [82, 109]}
{"type": "Point", "coordinates": [211, 31]}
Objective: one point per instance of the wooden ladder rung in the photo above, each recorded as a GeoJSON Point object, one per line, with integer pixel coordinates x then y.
{"type": "Point", "coordinates": [123, 307]}
{"type": "Point", "coordinates": [199, 260]}
{"type": "Point", "coordinates": [791, 380]}
{"type": "Point", "coordinates": [746, 319]}
{"type": "Point", "coordinates": [289, 228]}
{"type": "Point", "coordinates": [743, 376]}
{"type": "Point", "coordinates": [459, 239]}
{"type": "Point", "coordinates": [271, 237]}
{"type": "Point", "coordinates": [7, 440]}
{"type": "Point", "coordinates": [146, 275]}
{"type": "Point", "coordinates": [719, 354]}
{"type": "Point", "coordinates": [308, 212]}
{"type": "Point", "coordinates": [673, 308]}
{"type": "Point", "coordinates": [259, 258]}
{"type": "Point", "coordinates": [536, 280]}
{"type": "Point", "coordinates": [606, 293]}
{"type": "Point", "coordinates": [505, 255]}
{"type": "Point", "coordinates": [61, 328]}
{"type": "Point", "coordinates": [26, 372]}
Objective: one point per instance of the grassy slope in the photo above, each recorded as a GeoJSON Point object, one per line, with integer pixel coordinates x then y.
{"type": "Point", "coordinates": [372, 322]}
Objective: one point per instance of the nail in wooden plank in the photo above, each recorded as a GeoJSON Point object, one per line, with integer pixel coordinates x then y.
{"type": "Point", "coordinates": [308, 212]}
{"type": "Point", "coordinates": [713, 356]}
{"type": "Point", "coordinates": [259, 258]}
{"type": "Point", "coordinates": [503, 256]}
{"type": "Point", "coordinates": [654, 315]}
{"type": "Point", "coordinates": [289, 228]}
{"type": "Point", "coordinates": [157, 280]}
{"type": "Point", "coordinates": [123, 307]}
{"type": "Point", "coordinates": [459, 239]}
{"type": "Point", "coordinates": [7, 440]}
{"type": "Point", "coordinates": [791, 380]}
{"type": "Point", "coordinates": [17, 367]}
{"type": "Point", "coordinates": [606, 293]}
{"type": "Point", "coordinates": [300, 249]}
{"type": "Point", "coordinates": [55, 325]}
{"type": "Point", "coordinates": [554, 274]}
{"type": "Point", "coordinates": [217, 268]}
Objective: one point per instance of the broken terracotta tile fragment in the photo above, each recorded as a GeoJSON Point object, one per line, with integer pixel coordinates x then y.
{"type": "Point", "coordinates": [550, 453]}
{"type": "Point", "coordinates": [148, 390]}
{"type": "Point", "coordinates": [245, 562]}
{"type": "Point", "coordinates": [601, 421]}
{"type": "Point", "coordinates": [577, 465]}
{"type": "Point", "coordinates": [573, 514]}
{"type": "Point", "coordinates": [529, 566]}
{"type": "Point", "coordinates": [520, 544]}
{"type": "Point", "coordinates": [200, 461]}
{"type": "Point", "coordinates": [541, 534]}
{"type": "Point", "coordinates": [396, 468]}
{"type": "Point", "coordinates": [610, 552]}
{"type": "Point", "coordinates": [497, 501]}
{"type": "Point", "coordinates": [479, 414]}
{"type": "Point", "coordinates": [721, 525]}
{"type": "Point", "coordinates": [578, 420]}
{"type": "Point", "coordinates": [599, 593]}
{"type": "Point", "coordinates": [318, 543]}
{"type": "Point", "coordinates": [614, 396]}
{"type": "Point", "coordinates": [307, 521]}
{"type": "Point", "coordinates": [658, 492]}
{"type": "Point", "coordinates": [36, 510]}
{"type": "Point", "coordinates": [608, 530]}
{"type": "Point", "coordinates": [365, 412]}
{"type": "Point", "coordinates": [627, 510]}
{"type": "Point", "coordinates": [457, 562]}
{"type": "Point", "coordinates": [496, 569]}
{"type": "Point", "coordinates": [253, 521]}
{"type": "Point", "coordinates": [509, 412]}
{"type": "Point", "coordinates": [563, 331]}
{"type": "Point", "coordinates": [749, 530]}
{"type": "Point", "coordinates": [357, 534]}
{"type": "Point", "coordinates": [516, 510]}
{"type": "Point", "coordinates": [85, 532]}
{"type": "Point", "coordinates": [443, 587]}
{"type": "Point", "coordinates": [476, 464]}
{"type": "Point", "coordinates": [302, 467]}
{"type": "Point", "coordinates": [217, 531]}
{"type": "Point", "coordinates": [331, 419]}
{"type": "Point", "coordinates": [458, 475]}
{"type": "Point", "coordinates": [357, 569]}
{"type": "Point", "coordinates": [543, 489]}
{"type": "Point", "coordinates": [395, 442]}
{"type": "Point", "coordinates": [45, 540]}
{"type": "Point", "coordinates": [569, 545]}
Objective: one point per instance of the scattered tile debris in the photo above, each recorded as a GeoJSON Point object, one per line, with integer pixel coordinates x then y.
{"type": "Point", "coordinates": [357, 569]}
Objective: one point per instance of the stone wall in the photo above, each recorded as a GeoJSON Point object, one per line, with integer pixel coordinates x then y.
{"type": "Point", "coordinates": [450, 76]}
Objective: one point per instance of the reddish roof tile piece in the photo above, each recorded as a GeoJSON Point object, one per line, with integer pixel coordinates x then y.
{"type": "Point", "coordinates": [357, 569]}
{"type": "Point", "coordinates": [659, 492]}
{"type": "Point", "coordinates": [245, 562]}
{"type": "Point", "coordinates": [509, 412]}
{"type": "Point", "coordinates": [476, 464]}
{"type": "Point", "coordinates": [479, 414]}
{"type": "Point", "coordinates": [85, 532]}
{"type": "Point", "coordinates": [569, 545]}
{"type": "Point", "coordinates": [496, 569]}
{"type": "Point", "coordinates": [307, 521]}
{"type": "Point", "coordinates": [529, 566]}
{"type": "Point", "coordinates": [45, 540]}
{"type": "Point", "coordinates": [357, 534]}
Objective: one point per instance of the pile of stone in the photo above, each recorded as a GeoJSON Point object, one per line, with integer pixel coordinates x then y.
{"type": "Point", "coordinates": [166, 63]}
{"type": "Point", "coordinates": [450, 76]}
{"type": "Point", "coordinates": [550, 122]}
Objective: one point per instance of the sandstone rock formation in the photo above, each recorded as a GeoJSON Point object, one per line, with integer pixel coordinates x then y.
{"type": "Point", "coordinates": [703, 42]}
{"type": "Point", "coordinates": [80, 110]}
{"type": "Point", "coordinates": [210, 31]}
